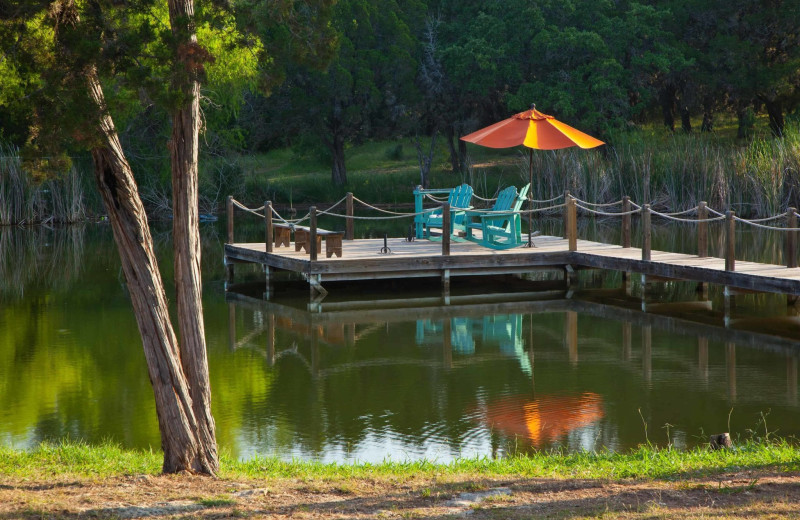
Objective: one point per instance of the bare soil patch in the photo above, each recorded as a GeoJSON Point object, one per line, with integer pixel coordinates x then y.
{"type": "Point", "coordinates": [757, 494]}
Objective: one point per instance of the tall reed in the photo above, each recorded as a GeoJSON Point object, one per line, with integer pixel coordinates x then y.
{"type": "Point", "coordinates": [24, 201]}
{"type": "Point", "coordinates": [758, 178]}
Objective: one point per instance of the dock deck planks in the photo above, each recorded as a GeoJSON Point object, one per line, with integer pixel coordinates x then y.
{"type": "Point", "coordinates": [362, 260]}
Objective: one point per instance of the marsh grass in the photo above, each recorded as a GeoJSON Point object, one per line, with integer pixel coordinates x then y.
{"type": "Point", "coordinates": [24, 201]}
{"type": "Point", "coordinates": [72, 459]}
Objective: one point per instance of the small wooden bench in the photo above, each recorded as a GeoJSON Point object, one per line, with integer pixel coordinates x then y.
{"type": "Point", "coordinates": [302, 236]}
{"type": "Point", "coordinates": [282, 234]}
{"type": "Point", "coordinates": [333, 240]}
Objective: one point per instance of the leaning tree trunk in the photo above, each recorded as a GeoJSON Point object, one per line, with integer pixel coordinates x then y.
{"type": "Point", "coordinates": [184, 148]}
{"type": "Point", "coordinates": [182, 448]}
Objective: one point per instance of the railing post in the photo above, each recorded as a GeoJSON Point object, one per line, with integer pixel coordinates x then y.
{"type": "Point", "coordinates": [229, 205]}
{"type": "Point", "coordinates": [268, 225]}
{"type": "Point", "coordinates": [348, 230]}
{"type": "Point", "coordinates": [626, 221]}
{"type": "Point", "coordinates": [572, 233]}
{"type": "Point", "coordinates": [445, 229]}
{"type": "Point", "coordinates": [702, 230]}
{"type": "Point", "coordinates": [646, 232]}
{"type": "Point", "coordinates": [228, 263]}
{"type": "Point", "coordinates": [312, 235]}
{"type": "Point", "coordinates": [730, 236]}
{"type": "Point", "coordinates": [418, 218]}
{"type": "Point", "coordinates": [791, 239]}
{"type": "Point", "coordinates": [566, 214]}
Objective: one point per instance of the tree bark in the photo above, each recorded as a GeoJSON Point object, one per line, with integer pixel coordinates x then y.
{"type": "Point", "coordinates": [708, 116]}
{"type": "Point", "coordinates": [776, 120]}
{"type": "Point", "coordinates": [449, 136]}
{"type": "Point", "coordinates": [184, 149]}
{"type": "Point", "coordinates": [177, 424]}
{"type": "Point", "coordinates": [667, 100]}
{"type": "Point", "coordinates": [338, 169]}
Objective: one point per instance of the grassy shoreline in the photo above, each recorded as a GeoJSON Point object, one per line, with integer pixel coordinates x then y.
{"type": "Point", "coordinates": [75, 459]}
{"type": "Point", "coordinates": [70, 480]}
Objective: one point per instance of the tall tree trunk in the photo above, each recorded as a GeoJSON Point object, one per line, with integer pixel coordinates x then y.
{"type": "Point", "coordinates": [450, 134]}
{"type": "Point", "coordinates": [184, 148]}
{"type": "Point", "coordinates": [776, 121]}
{"type": "Point", "coordinates": [179, 441]}
{"type": "Point", "coordinates": [338, 169]}
{"type": "Point", "coordinates": [667, 100]}
{"type": "Point", "coordinates": [708, 116]}
{"type": "Point", "coordinates": [686, 120]}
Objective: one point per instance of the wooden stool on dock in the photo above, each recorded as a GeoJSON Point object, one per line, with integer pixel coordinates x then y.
{"type": "Point", "coordinates": [282, 234]}
{"type": "Point", "coordinates": [333, 240]}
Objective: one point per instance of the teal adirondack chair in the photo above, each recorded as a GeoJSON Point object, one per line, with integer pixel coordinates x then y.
{"type": "Point", "coordinates": [460, 197]}
{"type": "Point", "coordinates": [501, 227]}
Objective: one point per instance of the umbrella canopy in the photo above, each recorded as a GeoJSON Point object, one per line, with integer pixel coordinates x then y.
{"type": "Point", "coordinates": [534, 130]}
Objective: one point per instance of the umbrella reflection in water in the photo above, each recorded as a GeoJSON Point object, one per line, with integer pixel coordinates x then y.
{"type": "Point", "coordinates": [542, 419]}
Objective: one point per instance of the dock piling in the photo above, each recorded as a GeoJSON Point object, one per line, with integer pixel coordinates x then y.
{"type": "Point", "coordinates": [702, 230]}
{"type": "Point", "coordinates": [626, 221]}
{"type": "Point", "coordinates": [312, 246]}
{"type": "Point", "coordinates": [791, 239]}
{"type": "Point", "coordinates": [268, 225]}
{"type": "Point", "coordinates": [348, 229]}
{"type": "Point", "coordinates": [730, 241]}
{"type": "Point", "coordinates": [446, 229]}
{"type": "Point", "coordinates": [646, 232]}
{"type": "Point", "coordinates": [228, 263]}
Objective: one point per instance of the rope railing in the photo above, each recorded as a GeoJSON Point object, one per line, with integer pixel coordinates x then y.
{"type": "Point", "coordinates": [703, 216]}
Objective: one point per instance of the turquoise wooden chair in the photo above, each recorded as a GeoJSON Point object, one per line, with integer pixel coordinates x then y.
{"type": "Point", "coordinates": [501, 227]}
{"type": "Point", "coordinates": [460, 197]}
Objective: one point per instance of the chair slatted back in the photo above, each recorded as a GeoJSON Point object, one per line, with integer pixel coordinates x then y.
{"type": "Point", "coordinates": [505, 199]}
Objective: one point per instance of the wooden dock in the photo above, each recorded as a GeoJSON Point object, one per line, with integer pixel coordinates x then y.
{"type": "Point", "coordinates": [363, 260]}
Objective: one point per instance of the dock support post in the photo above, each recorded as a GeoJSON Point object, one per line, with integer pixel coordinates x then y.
{"type": "Point", "coordinates": [267, 282]}
{"type": "Point", "coordinates": [626, 239]}
{"type": "Point", "coordinates": [445, 229]}
{"type": "Point", "coordinates": [446, 286]}
{"type": "Point", "coordinates": [729, 303]}
{"type": "Point", "coordinates": [572, 226]}
{"type": "Point", "coordinates": [702, 230]}
{"type": "Point", "coordinates": [228, 263]}
{"type": "Point", "coordinates": [312, 235]}
{"type": "Point", "coordinates": [730, 241]}
{"type": "Point", "coordinates": [566, 214]}
{"type": "Point", "coordinates": [646, 232]}
{"type": "Point", "coordinates": [791, 249]}
{"type": "Point", "coordinates": [348, 223]}
{"type": "Point", "coordinates": [268, 239]}
{"type": "Point", "coordinates": [626, 221]}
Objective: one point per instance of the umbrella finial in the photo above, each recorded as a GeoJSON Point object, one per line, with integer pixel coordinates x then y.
{"type": "Point", "coordinates": [533, 106]}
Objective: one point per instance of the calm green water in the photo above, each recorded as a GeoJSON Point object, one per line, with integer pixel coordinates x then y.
{"type": "Point", "coordinates": [367, 380]}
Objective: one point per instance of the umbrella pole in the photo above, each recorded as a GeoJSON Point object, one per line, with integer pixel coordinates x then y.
{"type": "Point", "coordinates": [530, 197]}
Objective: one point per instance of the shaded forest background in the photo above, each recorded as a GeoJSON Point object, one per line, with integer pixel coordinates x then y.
{"type": "Point", "coordinates": [697, 99]}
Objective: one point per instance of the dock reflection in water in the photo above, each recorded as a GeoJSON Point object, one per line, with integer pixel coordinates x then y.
{"type": "Point", "coordinates": [497, 374]}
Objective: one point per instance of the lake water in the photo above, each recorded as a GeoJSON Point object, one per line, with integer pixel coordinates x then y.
{"type": "Point", "coordinates": [391, 372]}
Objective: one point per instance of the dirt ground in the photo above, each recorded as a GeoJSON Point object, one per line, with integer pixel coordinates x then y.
{"type": "Point", "coordinates": [740, 495]}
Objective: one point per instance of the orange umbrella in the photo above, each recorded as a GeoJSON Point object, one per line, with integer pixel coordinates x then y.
{"type": "Point", "coordinates": [543, 419]}
{"type": "Point", "coordinates": [534, 130]}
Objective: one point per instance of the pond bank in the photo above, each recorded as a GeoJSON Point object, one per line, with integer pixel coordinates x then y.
{"type": "Point", "coordinates": [72, 480]}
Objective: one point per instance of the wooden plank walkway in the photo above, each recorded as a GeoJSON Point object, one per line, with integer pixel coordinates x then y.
{"type": "Point", "coordinates": [362, 260]}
